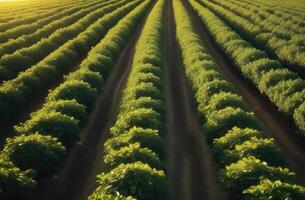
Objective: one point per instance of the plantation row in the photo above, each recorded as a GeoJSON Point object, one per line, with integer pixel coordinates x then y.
{"type": "Point", "coordinates": [14, 94]}
{"type": "Point", "coordinates": [283, 87]}
{"type": "Point", "coordinates": [39, 24]}
{"type": "Point", "coordinates": [247, 161]}
{"type": "Point", "coordinates": [27, 6]}
{"type": "Point", "coordinates": [24, 58]}
{"type": "Point", "coordinates": [56, 28]}
{"type": "Point", "coordinates": [33, 18]}
{"type": "Point", "coordinates": [55, 127]}
{"type": "Point", "coordinates": [286, 6]}
{"type": "Point", "coordinates": [134, 153]}
{"type": "Point", "coordinates": [271, 16]}
{"type": "Point", "coordinates": [279, 44]}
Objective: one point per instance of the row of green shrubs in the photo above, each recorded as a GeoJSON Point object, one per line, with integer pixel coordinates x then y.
{"type": "Point", "coordinates": [278, 45]}
{"type": "Point", "coordinates": [41, 146]}
{"type": "Point", "coordinates": [44, 50]}
{"type": "Point", "coordinates": [20, 11]}
{"type": "Point", "coordinates": [15, 94]}
{"type": "Point", "coordinates": [35, 17]}
{"type": "Point", "coordinates": [288, 11]}
{"type": "Point", "coordinates": [134, 153]}
{"type": "Point", "coordinates": [284, 88]}
{"type": "Point", "coordinates": [23, 29]}
{"type": "Point", "coordinates": [26, 40]}
{"type": "Point", "coordinates": [283, 25]}
{"type": "Point", "coordinates": [246, 159]}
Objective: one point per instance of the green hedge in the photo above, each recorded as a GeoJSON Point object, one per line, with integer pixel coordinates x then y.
{"type": "Point", "coordinates": [135, 152]}
{"type": "Point", "coordinates": [243, 155]}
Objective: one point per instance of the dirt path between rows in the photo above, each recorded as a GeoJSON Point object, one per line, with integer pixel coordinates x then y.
{"type": "Point", "coordinates": [77, 179]}
{"type": "Point", "coordinates": [190, 170]}
{"type": "Point", "coordinates": [273, 123]}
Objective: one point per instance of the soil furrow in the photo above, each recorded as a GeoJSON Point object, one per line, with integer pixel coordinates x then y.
{"type": "Point", "coordinates": [77, 179]}
{"type": "Point", "coordinates": [190, 170]}
{"type": "Point", "coordinates": [272, 121]}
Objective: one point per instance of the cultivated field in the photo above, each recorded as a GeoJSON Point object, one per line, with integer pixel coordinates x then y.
{"type": "Point", "coordinates": [152, 100]}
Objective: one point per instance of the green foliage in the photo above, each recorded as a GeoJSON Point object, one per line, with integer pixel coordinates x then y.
{"type": "Point", "coordinates": [131, 154]}
{"type": "Point", "coordinates": [67, 107]}
{"type": "Point", "coordinates": [137, 180]}
{"type": "Point", "coordinates": [81, 91]}
{"type": "Point", "coordinates": [147, 138]}
{"type": "Point", "coordinates": [44, 154]}
{"type": "Point", "coordinates": [220, 122]}
{"type": "Point", "coordinates": [249, 171]}
{"type": "Point", "coordinates": [94, 79]}
{"type": "Point", "coordinates": [60, 126]}
{"type": "Point", "coordinates": [268, 189]}
{"type": "Point", "coordinates": [232, 138]}
{"type": "Point", "coordinates": [145, 118]}
{"type": "Point", "coordinates": [13, 180]}
{"type": "Point", "coordinates": [299, 116]}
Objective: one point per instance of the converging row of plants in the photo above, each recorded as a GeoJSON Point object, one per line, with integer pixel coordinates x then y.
{"type": "Point", "coordinates": [250, 165]}
{"type": "Point", "coordinates": [26, 40]}
{"type": "Point", "coordinates": [280, 44]}
{"type": "Point", "coordinates": [14, 94]}
{"type": "Point", "coordinates": [25, 58]}
{"type": "Point", "coordinates": [283, 87]}
{"type": "Point", "coordinates": [134, 154]}
{"type": "Point", "coordinates": [42, 145]}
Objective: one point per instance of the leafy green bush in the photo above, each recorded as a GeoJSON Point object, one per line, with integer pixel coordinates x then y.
{"type": "Point", "coordinates": [273, 77]}
{"type": "Point", "coordinates": [67, 107]}
{"type": "Point", "coordinates": [256, 69]}
{"type": "Point", "coordinates": [145, 118]}
{"type": "Point", "coordinates": [208, 89]}
{"type": "Point", "coordinates": [13, 180]}
{"type": "Point", "coordinates": [94, 79]}
{"type": "Point", "coordinates": [99, 63]}
{"type": "Point", "coordinates": [137, 180]}
{"type": "Point", "coordinates": [232, 138]}
{"type": "Point", "coordinates": [249, 171]}
{"type": "Point", "coordinates": [263, 149]}
{"type": "Point", "coordinates": [44, 154]}
{"type": "Point", "coordinates": [82, 92]}
{"type": "Point", "coordinates": [220, 122]}
{"type": "Point", "coordinates": [224, 99]}
{"type": "Point", "coordinates": [130, 154]}
{"type": "Point", "coordinates": [145, 90]}
{"type": "Point", "coordinates": [147, 138]}
{"type": "Point", "coordinates": [144, 102]}
{"type": "Point", "coordinates": [268, 189]}
{"type": "Point", "coordinates": [299, 117]}
{"type": "Point", "coordinates": [149, 68]}
{"type": "Point", "coordinates": [61, 126]}
{"type": "Point", "coordinates": [101, 196]}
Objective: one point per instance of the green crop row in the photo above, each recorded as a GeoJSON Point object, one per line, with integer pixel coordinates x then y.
{"type": "Point", "coordinates": [43, 28]}
{"type": "Point", "coordinates": [283, 25]}
{"type": "Point", "coordinates": [24, 29]}
{"type": "Point", "coordinates": [17, 92]}
{"type": "Point", "coordinates": [134, 153]}
{"type": "Point", "coordinates": [287, 51]}
{"type": "Point", "coordinates": [33, 18]}
{"type": "Point", "coordinates": [283, 87]}
{"type": "Point", "coordinates": [247, 160]}
{"type": "Point", "coordinates": [40, 148]}
{"type": "Point", "coordinates": [12, 64]}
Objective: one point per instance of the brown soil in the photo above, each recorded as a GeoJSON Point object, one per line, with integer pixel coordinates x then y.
{"type": "Point", "coordinates": [77, 179]}
{"type": "Point", "coordinates": [273, 123]}
{"type": "Point", "coordinates": [190, 169]}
